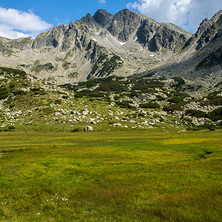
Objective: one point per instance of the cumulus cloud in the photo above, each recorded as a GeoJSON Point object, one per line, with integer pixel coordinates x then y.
{"type": "Point", "coordinates": [102, 1]}
{"type": "Point", "coordinates": [17, 24]}
{"type": "Point", "coordinates": [185, 13]}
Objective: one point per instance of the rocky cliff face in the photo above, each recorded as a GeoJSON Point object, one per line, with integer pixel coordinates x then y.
{"type": "Point", "coordinates": [207, 31]}
{"type": "Point", "coordinates": [122, 44]}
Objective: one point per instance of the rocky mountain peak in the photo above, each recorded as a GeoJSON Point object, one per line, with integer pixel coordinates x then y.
{"type": "Point", "coordinates": [216, 16]}
{"type": "Point", "coordinates": [207, 31]}
{"type": "Point", "coordinates": [103, 18]}
{"type": "Point", "coordinates": [124, 23]}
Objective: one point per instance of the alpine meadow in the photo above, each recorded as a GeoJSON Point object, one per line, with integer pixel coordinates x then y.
{"type": "Point", "coordinates": [113, 117]}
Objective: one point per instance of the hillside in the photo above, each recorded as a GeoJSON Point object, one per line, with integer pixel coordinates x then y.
{"type": "Point", "coordinates": [113, 103]}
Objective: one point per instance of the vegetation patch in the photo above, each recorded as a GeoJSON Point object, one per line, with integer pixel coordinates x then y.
{"type": "Point", "coordinates": [66, 65]}
{"type": "Point", "coordinates": [37, 67]}
{"type": "Point", "coordinates": [151, 105]}
{"type": "Point", "coordinates": [73, 74]}
{"type": "Point", "coordinates": [104, 68]}
{"type": "Point", "coordinates": [4, 92]}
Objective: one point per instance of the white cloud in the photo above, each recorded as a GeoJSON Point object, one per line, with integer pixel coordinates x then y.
{"type": "Point", "coordinates": [102, 1]}
{"type": "Point", "coordinates": [185, 13]}
{"type": "Point", "coordinates": [17, 24]}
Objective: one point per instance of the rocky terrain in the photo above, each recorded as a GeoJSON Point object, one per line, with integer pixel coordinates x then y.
{"type": "Point", "coordinates": [109, 72]}
{"type": "Point", "coordinates": [106, 104]}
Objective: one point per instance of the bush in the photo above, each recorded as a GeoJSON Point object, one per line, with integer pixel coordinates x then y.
{"type": "Point", "coordinates": [160, 98]}
{"type": "Point", "coordinates": [58, 101]}
{"type": "Point", "coordinates": [14, 72]}
{"type": "Point", "coordinates": [214, 100]}
{"type": "Point", "coordinates": [76, 129]}
{"type": "Point", "coordinates": [65, 97]}
{"type": "Point", "coordinates": [124, 104]}
{"type": "Point", "coordinates": [19, 92]}
{"type": "Point", "coordinates": [179, 81]}
{"type": "Point", "coordinates": [112, 86]}
{"type": "Point", "coordinates": [37, 91]}
{"type": "Point", "coordinates": [116, 98]}
{"type": "Point", "coordinates": [4, 92]}
{"type": "Point", "coordinates": [151, 105]}
{"type": "Point", "coordinates": [11, 127]}
{"type": "Point", "coordinates": [196, 113]}
{"type": "Point", "coordinates": [172, 107]}
{"type": "Point", "coordinates": [215, 115]}
{"type": "Point", "coordinates": [48, 110]}
{"type": "Point", "coordinates": [175, 99]}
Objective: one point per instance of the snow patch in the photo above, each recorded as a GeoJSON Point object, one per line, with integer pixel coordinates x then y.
{"type": "Point", "coordinates": [151, 55]}
{"type": "Point", "coordinates": [122, 43]}
{"type": "Point", "coordinates": [94, 39]}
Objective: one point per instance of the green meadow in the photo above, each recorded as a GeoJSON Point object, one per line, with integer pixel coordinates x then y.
{"type": "Point", "coordinates": [111, 176]}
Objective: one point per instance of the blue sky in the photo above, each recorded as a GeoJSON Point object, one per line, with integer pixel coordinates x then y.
{"type": "Point", "coordinates": [19, 18]}
{"type": "Point", "coordinates": [58, 12]}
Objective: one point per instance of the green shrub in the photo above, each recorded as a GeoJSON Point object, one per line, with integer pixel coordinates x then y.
{"type": "Point", "coordinates": [37, 91]}
{"type": "Point", "coordinates": [196, 113]}
{"type": "Point", "coordinates": [14, 72]}
{"type": "Point", "coordinates": [179, 81]}
{"type": "Point", "coordinates": [124, 104]}
{"type": "Point", "coordinates": [213, 100]}
{"type": "Point", "coordinates": [172, 107]}
{"type": "Point", "coordinates": [58, 101]}
{"type": "Point", "coordinates": [160, 98]}
{"type": "Point", "coordinates": [19, 92]}
{"type": "Point", "coordinates": [48, 110]}
{"type": "Point", "coordinates": [37, 67]}
{"type": "Point", "coordinates": [11, 127]}
{"type": "Point", "coordinates": [116, 97]}
{"type": "Point", "coordinates": [4, 92]}
{"type": "Point", "coordinates": [65, 97]}
{"type": "Point", "coordinates": [215, 114]}
{"type": "Point", "coordinates": [151, 105]}
{"type": "Point", "coordinates": [76, 129]}
{"type": "Point", "coordinates": [112, 86]}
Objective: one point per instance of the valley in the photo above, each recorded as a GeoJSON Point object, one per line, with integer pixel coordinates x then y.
{"type": "Point", "coordinates": [112, 118]}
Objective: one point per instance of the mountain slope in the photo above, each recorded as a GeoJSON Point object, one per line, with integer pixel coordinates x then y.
{"type": "Point", "coordinates": [200, 58]}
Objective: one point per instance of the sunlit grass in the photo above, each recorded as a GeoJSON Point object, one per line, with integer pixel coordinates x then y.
{"type": "Point", "coordinates": [112, 176]}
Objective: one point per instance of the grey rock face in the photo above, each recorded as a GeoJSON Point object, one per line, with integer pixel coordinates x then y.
{"type": "Point", "coordinates": [157, 36]}
{"type": "Point", "coordinates": [207, 31]}
{"type": "Point", "coordinates": [146, 31]}
{"type": "Point", "coordinates": [124, 23]}
{"type": "Point", "coordinates": [213, 59]}
{"type": "Point", "coordinates": [18, 44]}
{"type": "Point", "coordinates": [167, 38]}
{"type": "Point", "coordinates": [103, 18]}
{"type": "Point", "coordinates": [50, 38]}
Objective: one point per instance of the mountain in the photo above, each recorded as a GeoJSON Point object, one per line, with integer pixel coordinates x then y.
{"type": "Point", "coordinates": [125, 43]}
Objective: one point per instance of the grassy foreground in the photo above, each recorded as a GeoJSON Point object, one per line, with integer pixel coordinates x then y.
{"type": "Point", "coordinates": [112, 176]}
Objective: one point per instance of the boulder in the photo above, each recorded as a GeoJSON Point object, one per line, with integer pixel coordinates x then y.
{"type": "Point", "coordinates": [92, 121]}
{"type": "Point", "coordinates": [117, 124]}
{"type": "Point", "coordinates": [88, 129]}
